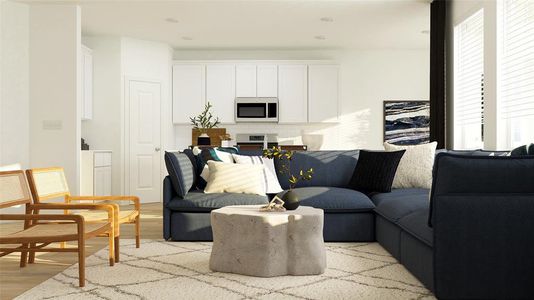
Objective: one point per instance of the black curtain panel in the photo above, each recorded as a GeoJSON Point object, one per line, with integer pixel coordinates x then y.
{"type": "Point", "coordinates": [438, 29]}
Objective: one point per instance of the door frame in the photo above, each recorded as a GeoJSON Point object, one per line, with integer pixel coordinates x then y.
{"type": "Point", "coordinates": [125, 141]}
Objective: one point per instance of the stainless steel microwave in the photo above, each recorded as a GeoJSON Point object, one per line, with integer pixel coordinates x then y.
{"type": "Point", "coordinates": [256, 109]}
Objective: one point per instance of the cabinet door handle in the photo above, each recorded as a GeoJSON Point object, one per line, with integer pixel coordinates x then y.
{"type": "Point", "coordinates": [157, 149]}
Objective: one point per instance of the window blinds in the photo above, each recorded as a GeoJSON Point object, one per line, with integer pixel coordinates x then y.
{"type": "Point", "coordinates": [469, 82]}
{"type": "Point", "coordinates": [516, 70]}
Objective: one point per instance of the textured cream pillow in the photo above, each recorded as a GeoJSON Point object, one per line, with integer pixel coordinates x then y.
{"type": "Point", "coordinates": [415, 167]}
{"type": "Point", "coordinates": [235, 178]}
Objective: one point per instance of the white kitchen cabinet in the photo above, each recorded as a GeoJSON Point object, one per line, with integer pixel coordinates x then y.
{"type": "Point", "coordinates": [188, 91]}
{"type": "Point", "coordinates": [245, 80]}
{"type": "Point", "coordinates": [293, 93]}
{"type": "Point", "coordinates": [323, 86]}
{"type": "Point", "coordinates": [220, 91]}
{"type": "Point", "coordinates": [267, 81]}
{"type": "Point", "coordinates": [87, 83]}
{"type": "Point", "coordinates": [95, 176]}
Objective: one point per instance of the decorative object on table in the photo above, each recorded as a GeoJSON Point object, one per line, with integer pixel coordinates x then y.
{"type": "Point", "coordinates": [276, 204]}
{"type": "Point", "coordinates": [291, 200]}
{"type": "Point", "coordinates": [213, 133]}
{"type": "Point", "coordinates": [226, 140]}
{"type": "Point", "coordinates": [375, 171]}
{"type": "Point", "coordinates": [84, 145]}
{"type": "Point", "coordinates": [203, 122]}
{"type": "Point", "coordinates": [314, 141]}
{"type": "Point", "coordinates": [407, 122]}
{"type": "Point", "coordinates": [415, 167]}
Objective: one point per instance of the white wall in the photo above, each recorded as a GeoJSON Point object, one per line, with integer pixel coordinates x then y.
{"type": "Point", "coordinates": [14, 84]}
{"type": "Point", "coordinates": [55, 38]}
{"type": "Point", "coordinates": [151, 61]}
{"type": "Point", "coordinates": [115, 59]}
{"type": "Point", "coordinates": [103, 132]}
{"type": "Point", "coordinates": [368, 77]}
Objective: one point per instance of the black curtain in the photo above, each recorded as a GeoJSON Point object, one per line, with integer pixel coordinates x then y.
{"type": "Point", "coordinates": [438, 37]}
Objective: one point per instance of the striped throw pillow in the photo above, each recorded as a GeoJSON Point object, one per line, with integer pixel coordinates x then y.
{"type": "Point", "coordinates": [270, 181]}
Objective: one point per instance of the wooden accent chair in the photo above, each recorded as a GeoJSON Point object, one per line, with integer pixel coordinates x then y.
{"type": "Point", "coordinates": [49, 228]}
{"type": "Point", "coordinates": [50, 183]}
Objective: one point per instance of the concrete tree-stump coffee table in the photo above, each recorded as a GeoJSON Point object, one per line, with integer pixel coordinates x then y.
{"type": "Point", "coordinates": [267, 244]}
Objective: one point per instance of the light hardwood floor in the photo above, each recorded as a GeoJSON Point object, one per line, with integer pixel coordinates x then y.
{"type": "Point", "coordinates": [15, 280]}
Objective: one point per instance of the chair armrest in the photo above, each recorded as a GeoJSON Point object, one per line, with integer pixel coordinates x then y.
{"type": "Point", "coordinates": [133, 199]}
{"type": "Point", "coordinates": [112, 209]}
{"type": "Point", "coordinates": [12, 217]}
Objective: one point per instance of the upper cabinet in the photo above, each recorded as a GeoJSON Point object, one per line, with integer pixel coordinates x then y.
{"type": "Point", "coordinates": [221, 90]}
{"type": "Point", "coordinates": [87, 83]}
{"type": "Point", "coordinates": [256, 80]}
{"type": "Point", "coordinates": [245, 80]}
{"type": "Point", "coordinates": [188, 91]}
{"type": "Point", "coordinates": [267, 81]}
{"type": "Point", "coordinates": [323, 81]}
{"type": "Point", "coordinates": [307, 91]}
{"type": "Point", "coordinates": [293, 93]}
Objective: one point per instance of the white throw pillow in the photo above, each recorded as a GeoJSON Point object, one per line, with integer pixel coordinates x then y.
{"type": "Point", "coordinates": [235, 178]}
{"type": "Point", "coordinates": [223, 156]}
{"type": "Point", "coordinates": [270, 181]}
{"type": "Point", "coordinates": [415, 167]}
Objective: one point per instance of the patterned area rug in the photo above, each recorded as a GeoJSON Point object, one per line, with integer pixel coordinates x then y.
{"type": "Point", "coordinates": [179, 270]}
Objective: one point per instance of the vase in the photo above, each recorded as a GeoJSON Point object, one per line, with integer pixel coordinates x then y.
{"type": "Point", "coordinates": [291, 200]}
{"type": "Point", "coordinates": [203, 140]}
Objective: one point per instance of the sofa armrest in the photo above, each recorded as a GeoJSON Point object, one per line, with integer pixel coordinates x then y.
{"type": "Point", "coordinates": [483, 246]}
{"type": "Point", "coordinates": [482, 213]}
{"type": "Point", "coordinates": [168, 191]}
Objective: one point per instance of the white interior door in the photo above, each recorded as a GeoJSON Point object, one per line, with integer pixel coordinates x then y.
{"type": "Point", "coordinates": [144, 163]}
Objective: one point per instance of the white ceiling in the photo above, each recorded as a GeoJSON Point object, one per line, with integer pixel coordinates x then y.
{"type": "Point", "coordinates": [264, 24]}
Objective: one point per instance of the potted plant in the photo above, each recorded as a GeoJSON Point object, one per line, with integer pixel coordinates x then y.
{"type": "Point", "coordinates": [203, 122]}
{"type": "Point", "coordinates": [290, 198]}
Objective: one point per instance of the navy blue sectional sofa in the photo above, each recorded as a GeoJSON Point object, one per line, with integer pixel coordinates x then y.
{"type": "Point", "coordinates": [473, 238]}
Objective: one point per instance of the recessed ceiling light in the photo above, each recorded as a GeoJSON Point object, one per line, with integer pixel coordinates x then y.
{"type": "Point", "coordinates": [171, 20]}
{"type": "Point", "coordinates": [327, 19]}
{"type": "Point", "coordinates": [187, 38]}
{"type": "Point", "coordinates": [425, 31]}
{"type": "Point", "coordinates": [320, 37]}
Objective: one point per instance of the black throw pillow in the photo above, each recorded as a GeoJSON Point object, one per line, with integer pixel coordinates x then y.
{"type": "Point", "coordinates": [523, 150]}
{"type": "Point", "coordinates": [375, 171]}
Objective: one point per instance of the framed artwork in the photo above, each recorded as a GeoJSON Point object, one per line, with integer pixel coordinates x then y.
{"type": "Point", "coordinates": [406, 122]}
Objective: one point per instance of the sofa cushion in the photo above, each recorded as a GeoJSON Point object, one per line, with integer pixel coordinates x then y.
{"type": "Point", "coordinates": [400, 202]}
{"type": "Point", "coordinates": [182, 171]}
{"type": "Point", "coordinates": [198, 201]}
{"type": "Point", "coordinates": [332, 199]}
{"type": "Point", "coordinates": [331, 168]}
{"type": "Point", "coordinates": [416, 224]}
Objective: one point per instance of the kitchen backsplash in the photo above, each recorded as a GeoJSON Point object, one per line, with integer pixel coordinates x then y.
{"type": "Point", "coordinates": [349, 133]}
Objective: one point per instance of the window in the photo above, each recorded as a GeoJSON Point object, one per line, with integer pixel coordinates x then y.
{"type": "Point", "coordinates": [469, 82]}
{"type": "Point", "coordinates": [515, 77]}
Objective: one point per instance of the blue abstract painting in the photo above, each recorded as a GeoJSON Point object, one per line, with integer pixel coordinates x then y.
{"type": "Point", "coordinates": [407, 122]}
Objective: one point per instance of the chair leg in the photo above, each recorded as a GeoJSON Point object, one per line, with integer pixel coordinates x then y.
{"type": "Point", "coordinates": [112, 245]}
{"type": "Point", "coordinates": [23, 256]}
{"type": "Point", "coordinates": [31, 258]}
{"type": "Point", "coordinates": [81, 261]}
{"type": "Point", "coordinates": [117, 248]}
{"type": "Point", "coordinates": [138, 232]}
